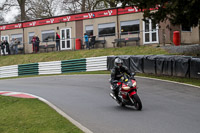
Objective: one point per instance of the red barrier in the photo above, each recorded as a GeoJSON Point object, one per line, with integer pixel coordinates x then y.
{"type": "Point", "coordinates": [176, 38]}
{"type": "Point", "coordinates": [78, 44]}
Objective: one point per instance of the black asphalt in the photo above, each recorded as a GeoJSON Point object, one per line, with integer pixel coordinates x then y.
{"type": "Point", "coordinates": [167, 107]}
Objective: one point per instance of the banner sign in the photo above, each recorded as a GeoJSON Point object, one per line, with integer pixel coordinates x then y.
{"type": "Point", "coordinates": [71, 18]}
{"type": "Point", "coordinates": [128, 10]}
{"type": "Point", "coordinates": [46, 21]}
{"type": "Point", "coordinates": [82, 16]}
{"type": "Point", "coordinates": [11, 26]}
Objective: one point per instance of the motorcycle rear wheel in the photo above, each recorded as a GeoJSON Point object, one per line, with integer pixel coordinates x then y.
{"type": "Point", "coordinates": [137, 102]}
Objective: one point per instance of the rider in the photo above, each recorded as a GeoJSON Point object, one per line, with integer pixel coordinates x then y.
{"type": "Point", "coordinates": [116, 74]}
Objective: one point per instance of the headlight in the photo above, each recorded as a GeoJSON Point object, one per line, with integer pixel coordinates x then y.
{"type": "Point", "coordinates": [126, 88]}
{"type": "Point", "coordinates": [134, 84]}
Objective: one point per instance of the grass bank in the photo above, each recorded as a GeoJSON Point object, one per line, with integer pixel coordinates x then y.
{"type": "Point", "coordinates": [20, 115]}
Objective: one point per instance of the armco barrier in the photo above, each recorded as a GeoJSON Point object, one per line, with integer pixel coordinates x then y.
{"type": "Point", "coordinates": [136, 63]}
{"type": "Point", "coordinates": [195, 68]}
{"type": "Point", "coordinates": [53, 67]}
{"type": "Point", "coordinates": [149, 64]}
{"type": "Point", "coordinates": [110, 62]}
{"type": "Point", "coordinates": [96, 63]}
{"type": "Point", "coordinates": [9, 71]}
{"type": "Point", "coordinates": [164, 65]}
{"type": "Point", "coordinates": [179, 66]}
{"type": "Point", "coordinates": [76, 65]}
{"type": "Point", "coordinates": [28, 69]}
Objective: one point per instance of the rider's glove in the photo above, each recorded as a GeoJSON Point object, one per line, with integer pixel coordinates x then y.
{"type": "Point", "coordinates": [132, 75]}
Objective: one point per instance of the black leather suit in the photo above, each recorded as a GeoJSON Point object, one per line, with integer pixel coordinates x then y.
{"type": "Point", "coordinates": [116, 74]}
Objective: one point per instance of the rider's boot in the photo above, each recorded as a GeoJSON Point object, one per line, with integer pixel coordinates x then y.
{"type": "Point", "coordinates": [118, 99]}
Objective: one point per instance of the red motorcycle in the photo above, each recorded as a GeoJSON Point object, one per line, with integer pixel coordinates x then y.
{"type": "Point", "coordinates": [127, 92]}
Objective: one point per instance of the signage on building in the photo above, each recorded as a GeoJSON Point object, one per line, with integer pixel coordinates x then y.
{"type": "Point", "coordinates": [82, 16]}
{"type": "Point", "coordinates": [128, 10]}
{"type": "Point", "coordinates": [11, 26]}
{"type": "Point", "coordinates": [71, 18]}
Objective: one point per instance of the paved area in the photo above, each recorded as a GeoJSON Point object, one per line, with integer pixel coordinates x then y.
{"type": "Point", "coordinates": [167, 107]}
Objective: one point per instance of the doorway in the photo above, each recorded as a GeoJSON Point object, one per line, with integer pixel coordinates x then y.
{"type": "Point", "coordinates": [65, 39]}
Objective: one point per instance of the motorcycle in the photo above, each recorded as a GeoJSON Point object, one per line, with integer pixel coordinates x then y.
{"type": "Point", "coordinates": [127, 92]}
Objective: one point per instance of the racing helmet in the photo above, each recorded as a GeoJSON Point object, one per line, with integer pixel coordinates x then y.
{"type": "Point", "coordinates": [118, 63]}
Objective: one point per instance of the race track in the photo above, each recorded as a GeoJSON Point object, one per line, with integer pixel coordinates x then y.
{"type": "Point", "coordinates": [167, 107]}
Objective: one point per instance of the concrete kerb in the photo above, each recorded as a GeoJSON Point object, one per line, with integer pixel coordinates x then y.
{"type": "Point", "coordinates": [80, 126]}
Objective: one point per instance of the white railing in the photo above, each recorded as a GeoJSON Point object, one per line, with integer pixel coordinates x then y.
{"type": "Point", "coordinates": [9, 71]}
{"type": "Point", "coordinates": [96, 63]}
{"type": "Point", "coordinates": [53, 67]}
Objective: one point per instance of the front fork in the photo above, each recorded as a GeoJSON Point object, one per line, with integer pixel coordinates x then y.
{"type": "Point", "coordinates": [130, 95]}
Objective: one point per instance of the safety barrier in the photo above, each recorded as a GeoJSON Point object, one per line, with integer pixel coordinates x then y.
{"type": "Point", "coordinates": [76, 65]}
{"type": "Point", "coordinates": [53, 67]}
{"type": "Point", "coordinates": [170, 65]}
{"type": "Point", "coordinates": [9, 71]}
{"type": "Point", "coordinates": [180, 66]}
{"type": "Point", "coordinates": [96, 63]}
{"type": "Point", "coordinates": [28, 69]}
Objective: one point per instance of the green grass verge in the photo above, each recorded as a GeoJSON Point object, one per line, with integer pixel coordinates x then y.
{"type": "Point", "coordinates": [20, 115]}
{"type": "Point", "coordinates": [67, 55]}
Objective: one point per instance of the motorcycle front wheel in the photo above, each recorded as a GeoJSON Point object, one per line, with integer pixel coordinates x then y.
{"type": "Point", "coordinates": [137, 102]}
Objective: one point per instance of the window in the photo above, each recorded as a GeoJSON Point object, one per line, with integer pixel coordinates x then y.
{"type": "Point", "coordinates": [106, 29]}
{"type": "Point", "coordinates": [5, 38]}
{"type": "Point", "coordinates": [186, 28]}
{"type": "Point", "coordinates": [150, 32]}
{"type": "Point", "coordinates": [48, 36]}
{"type": "Point", "coordinates": [130, 27]}
{"type": "Point", "coordinates": [89, 30]}
{"type": "Point", "coordinates": [30, 36]}
{"type": "Point", "coordinates": [19, 37]}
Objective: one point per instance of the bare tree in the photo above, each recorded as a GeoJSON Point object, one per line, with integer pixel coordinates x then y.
{"type": "Point", "coordinates": [72, 6]}
{"type": "Point", "coordinates": [75, 6]}
{"type": "Point", "coordinates": [32, 9]}
{"type": "Point", "coordinates": [2, 21]}
{"type": "Point", "coordinates": [41, 8]}
{"type": "Point", "coordinates": [111, 3]}
{"type": "Point", "coordinates": [1, 12]}
{"type": "Point", "coordinates": [20, 4]}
